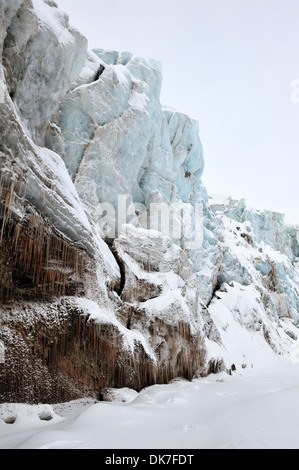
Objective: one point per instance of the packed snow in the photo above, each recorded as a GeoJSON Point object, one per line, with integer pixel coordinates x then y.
{"type": "Point", "coordinates": [254, 410]}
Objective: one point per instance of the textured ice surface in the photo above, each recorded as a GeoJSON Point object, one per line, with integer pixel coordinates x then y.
{"type": "Point", "coordinates": [115, 129]}
{"type": "Point", "coordinates": [32, 90]}
{"type": "Point", "coordinates": [42, 55]}
{"type": "Point", "coordinates": [117, 139]}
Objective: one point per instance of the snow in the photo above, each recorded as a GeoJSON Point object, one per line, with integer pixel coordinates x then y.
{"type": "Point", "coordinates": [55, 19]}
{"type": "Point", "coordinates": [172, 304]}
{"type": "Point", "coordinates": [257, 285]}
{"type": "Point", "coordinates": [238, 316]}
{"type": "Point", "coordinates": [256, 410]}
{"type": "Point", "coordinates": [61, 182]}
{"type": "Point", "coordinates": [131, 338]}
{"type": "Point", "coordinates": [139, 101]}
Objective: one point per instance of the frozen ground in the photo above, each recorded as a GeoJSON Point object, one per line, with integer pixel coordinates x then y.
{"type": "Point", "coordinates": [258, 409]}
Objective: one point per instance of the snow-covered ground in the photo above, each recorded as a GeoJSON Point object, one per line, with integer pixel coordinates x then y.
{"type": "Point", "coordinates": [258, 409]}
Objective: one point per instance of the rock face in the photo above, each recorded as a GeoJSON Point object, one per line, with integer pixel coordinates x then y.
{"type": "Point", "coordinates": [117, 269]}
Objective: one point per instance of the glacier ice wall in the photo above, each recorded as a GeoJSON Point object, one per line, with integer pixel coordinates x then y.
{"type": "Point", "coordinates": [31, 94]}
{"type": "Point", "coordinates": [118, 140]}
{"type": "Point", "coordinates": [86, 307]}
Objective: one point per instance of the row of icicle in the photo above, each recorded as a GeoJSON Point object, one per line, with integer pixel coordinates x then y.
{"type": "Point", "coordinates": [32, 249]}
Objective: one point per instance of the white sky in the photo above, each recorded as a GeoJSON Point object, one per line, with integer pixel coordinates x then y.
{"type": "Point", "coordinates": [228, 64]}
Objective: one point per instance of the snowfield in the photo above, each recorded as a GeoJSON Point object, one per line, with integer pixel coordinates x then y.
{"type": "Point", "coordinates": [258, 409]}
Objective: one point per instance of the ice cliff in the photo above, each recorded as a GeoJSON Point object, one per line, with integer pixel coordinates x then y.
{"type": "Point", "coordinates": [92, 295]}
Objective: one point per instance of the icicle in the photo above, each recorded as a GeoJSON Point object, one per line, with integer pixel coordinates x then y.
{"type": "Point", "coordinates": [32, 248]}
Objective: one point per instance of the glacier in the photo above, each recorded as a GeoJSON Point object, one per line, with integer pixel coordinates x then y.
{"type": "Point", "coordinates": [91, 301]}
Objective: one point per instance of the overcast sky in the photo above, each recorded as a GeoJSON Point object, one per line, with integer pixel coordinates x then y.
{"type": "Point", "coordinates": [229, 64]}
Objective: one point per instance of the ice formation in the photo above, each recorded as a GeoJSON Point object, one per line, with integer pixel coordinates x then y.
{"type": "Point", "coordinates": [85, 307]}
